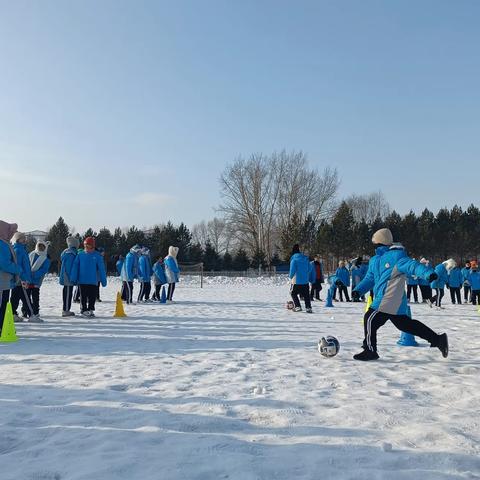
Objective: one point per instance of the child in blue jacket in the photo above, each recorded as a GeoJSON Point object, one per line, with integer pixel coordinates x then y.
{"type": "Point", "coordinates": [65, 278]}
{"type": "Point", "coordinates": [9, 270]}
{"type": "Point", "coordinates": [159, 278]}
{"type": "Point", "coordinates": [455, 280]}
{"type": "Point", "coordinates": [474, 280]}
{"type": "Point", "coordinates": [39, 263]}
{"type": "Point", "coordinates": [442, 270]}
{"type": "Point", "coordinates": [130, 272]}
{"type": "Point", "coordinates": [88, 267]}
{"type": "Point", "coordinates": [172, 271]}
{"type": "Point", "coordinates": [466, 284]}
{"type": "Point", "coordinates": [301, 274]}
{"type": "Point", "coordinates": [144, 275]}
{"type": "Point", "coordinates": [343, 280]}
{"type": "Point", "coordinates": [386, 274]}
{"type": "Point", "coordinates": [19, 292]}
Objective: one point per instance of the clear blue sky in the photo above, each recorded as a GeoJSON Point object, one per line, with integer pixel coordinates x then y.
{"type": "Point", "coordinates": [126, 112]}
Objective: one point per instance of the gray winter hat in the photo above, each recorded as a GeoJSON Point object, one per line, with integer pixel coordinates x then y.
{"type": "Point", "coordinates": [73, 241]}
{"type": "Point", "coordinates": [382, 237]}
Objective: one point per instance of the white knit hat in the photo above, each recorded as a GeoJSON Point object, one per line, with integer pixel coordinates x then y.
{"type": "Point", "coordinates": [18, 236]}
{"type": "Point", "coordinates": [382, 237]}
{"type": "Point", "coordinates": [450, 263]}
{"type": "Point", "coordinates": [73, 241]}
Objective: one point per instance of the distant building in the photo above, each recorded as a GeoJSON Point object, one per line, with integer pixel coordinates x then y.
{"type": "Point", "coordinates": [38, 235]}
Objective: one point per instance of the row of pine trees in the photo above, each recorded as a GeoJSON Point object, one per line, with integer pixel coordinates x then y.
{"type": "Point", "coordinates": [450, 233]}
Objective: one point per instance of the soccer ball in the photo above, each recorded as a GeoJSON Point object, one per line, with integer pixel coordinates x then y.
{"type": "Point", "coordinates": [329, 346]}
{"type": "Point", "coordinates": [289, 305]}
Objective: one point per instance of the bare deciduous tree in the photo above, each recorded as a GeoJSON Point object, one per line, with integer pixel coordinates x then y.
{"type": "Point", "coordinates": [216, 232]}
{"type": "Point", "coordinates": [368, 207]}
{"type": "Point", "coordinates": [263, 195]}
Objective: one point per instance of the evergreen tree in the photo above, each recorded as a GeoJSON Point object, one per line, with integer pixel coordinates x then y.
{"type": "Point", "coordinates": [410, 234]}
{"type": "Point", "coordinates": [89, 233]}
{"type": "Point", "coordinates": [135, 237]}
{"type": "Point", "coordinates": [105, 240]}
{"type": "Point", "coordinates": [241, 262]}
{"type": "Point", "coordinates": [195, 254]}
{"type": "Point", "coordinates": [258, 259]}
{"type": "Point", "coordinates": [393, 221]}
{"type": "Point", "coordinates": [120, 246]}
{"type": "Point", "coordinates": [227, 261]}
{"type": "Point", "coordinates": [211, 259]}
{"type": "Point", "coordinates": [343, 232]}
{"type": "Point", "coordinates": [57, 236]}
{"type": "Point", "coordinates": [425, 234]}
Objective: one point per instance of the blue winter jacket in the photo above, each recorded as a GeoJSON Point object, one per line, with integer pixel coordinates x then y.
{"type": "Point", "coordinates": [343, 275]}
{"type": "Point", "coordinates": [465, 273]}
{"type": "Point", "coordinates": [302, 271]}
{"type": "Point", "coordinates": [423, 282]}
{"type": "Point", "coordinates": [442, 279]}
{"type": "Point", "coordinates": [455, 278]}
{"type": "Point", "coordinates": [363, 268]}
{"type": "Point", "coordinates": [37, 276]}
{"type": "Point", "coordinates": [68, 257]}
{"type": "Point", "coordinates": [474, 279]}
{"type": "Point", "coordinates": [23, 262]}
{"type": "Point", "coordinates": [119, 265]}
{"type": "Point", "coordinates": [172, 271]}
{"type": "Point", "coordinates": [159, 274]}
{"type": "Point", "coordinates": [130, 267]}
{"type": "Point", "coordinates": [144, 269]}
{"type": "Point", "coordinates": [412, 280]}
{"type": "Point", "coordinates": [88, 269]}
{"type": "Point", "coordinates": [386, 275]}
{"type": "Point", "coordinates": [8, 266]}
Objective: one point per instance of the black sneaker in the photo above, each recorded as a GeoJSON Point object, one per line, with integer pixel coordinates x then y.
{"type": "Point", "coordinates": [366, 355]}
{"type": "Point", "coordinates": [443, 344]}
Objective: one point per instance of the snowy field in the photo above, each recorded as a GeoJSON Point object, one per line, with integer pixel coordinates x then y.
{"type": "Point", "coordinates": [172, 392]}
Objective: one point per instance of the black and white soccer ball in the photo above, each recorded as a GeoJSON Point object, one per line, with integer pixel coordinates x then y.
{"type": "Point", "coordinates": [328, 346]}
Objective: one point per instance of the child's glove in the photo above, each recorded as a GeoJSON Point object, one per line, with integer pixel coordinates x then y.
{"type": "Point", "coordinates": [338, 283]}
{"type": "Point", "coordinates": [433, 276]}
{"type": "Point", "coordinates": [355, 296]}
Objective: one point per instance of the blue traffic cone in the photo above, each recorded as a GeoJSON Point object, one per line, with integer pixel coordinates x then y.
{"type": "Point", "coordinates": [329, 302]}
{"type": "Point", "coordinates": [407, 339]}
{"type": "Point", "coordinates": [163, 297]}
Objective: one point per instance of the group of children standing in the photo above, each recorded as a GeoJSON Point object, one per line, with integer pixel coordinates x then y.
{"type": "Point", "coordinates": [22, 274]}
{"type": "Point", "coordinates": [137, 265]}
{"type": "Point", "coordinates": [453, 278]}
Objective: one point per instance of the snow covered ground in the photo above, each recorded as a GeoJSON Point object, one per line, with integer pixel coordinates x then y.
{"type": "Point", "coordinates": [171, 392]}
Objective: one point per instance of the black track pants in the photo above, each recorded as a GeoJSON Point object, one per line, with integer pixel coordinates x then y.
{"type": "Point", "coordinates": [374, 319]}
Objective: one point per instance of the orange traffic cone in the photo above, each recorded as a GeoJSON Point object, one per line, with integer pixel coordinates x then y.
{"type": "Point", "coordinates": [119, 311]}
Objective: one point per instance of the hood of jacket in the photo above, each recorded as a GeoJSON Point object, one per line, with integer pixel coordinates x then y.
{"type": "Point", "coordinates": [7, 230]}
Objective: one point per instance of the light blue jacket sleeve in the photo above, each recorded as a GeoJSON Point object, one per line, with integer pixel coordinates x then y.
{"type": "Point", "coordinates": [293, 268]}
{"type": "Point", "coordinates": [413, 268]}
{"type": "Point", "coordinates": [75, 270]}
{"type": "Point", "coordinates": [6, 263]}
{"type": "Point", "coordinates": [368, 281]}
{"type": "Point", "coordinates": [101, 271]}
{"type": "Point", "coordinates": [67, 264]}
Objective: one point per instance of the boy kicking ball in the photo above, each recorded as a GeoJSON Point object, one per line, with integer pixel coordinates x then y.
{"type": "Point", "coordinates": [386, 275]}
